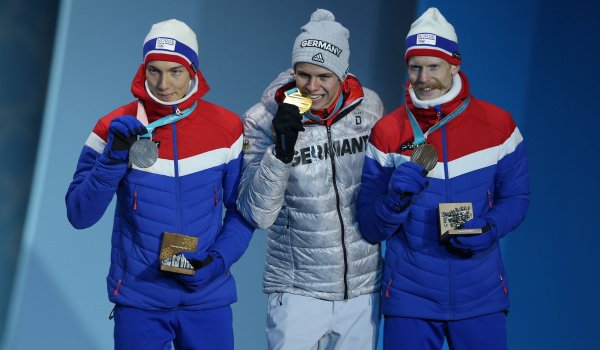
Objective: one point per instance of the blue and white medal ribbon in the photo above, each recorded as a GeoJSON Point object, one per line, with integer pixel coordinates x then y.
{"type": "Point", "coordinates": [425, 154]}
{"type": "Point", "coordinates": [144, 152]}
{"type": "Point", "coordinates": [418, 133]}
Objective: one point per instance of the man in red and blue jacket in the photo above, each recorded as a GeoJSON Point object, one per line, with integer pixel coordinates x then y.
{"type": "Point", "coordinates": [187, 176]}
{"type": "Point", "coordinates": [434, 288]}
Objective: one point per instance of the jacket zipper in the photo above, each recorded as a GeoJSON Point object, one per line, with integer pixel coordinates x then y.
{"type": "Point", "coordinates": [176, 168]}
{"type": "Point", "coordinates": [387, 288]}
{"type": "Point", "coordinates": [337, 203]}
{"type": "Point", "coordinates": [448, 199]}
{"type": "Point", "coordinates": [503, 285]}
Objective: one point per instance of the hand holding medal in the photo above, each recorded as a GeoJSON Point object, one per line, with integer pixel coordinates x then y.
{"type": "Point", "coordinates": [122, 132]}
{"type": "Point", "coordinates": [144, 152]}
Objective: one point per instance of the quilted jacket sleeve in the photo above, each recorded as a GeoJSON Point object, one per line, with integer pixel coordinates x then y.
{"type": "Point", "coordinates": [234, 238]}
{"type": "Point", "coordinates": [265, 177]}
{"type": "Point", "coordinates": [511, 185]}
{"type": "Point", "coordinates": [94, 183]}
{"type": "Point", "coordinates": [376, 219]}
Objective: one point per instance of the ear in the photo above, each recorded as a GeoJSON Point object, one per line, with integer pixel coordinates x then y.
{"type": "Point", "coordinates": [454, 70]}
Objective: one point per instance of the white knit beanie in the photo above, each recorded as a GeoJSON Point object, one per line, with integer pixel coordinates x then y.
{"type": "Point", "coordinates": [323, 42]}
{"type": "Point", "coordinates": [432, 35]}
{"type": "Point", "coordinates": [173, 41]}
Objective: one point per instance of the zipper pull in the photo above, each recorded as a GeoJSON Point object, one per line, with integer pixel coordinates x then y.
{"type": "Point", "coordinates": [216, 198]}
{"type": "Point", "coordinates": [387, 289]}
{"type": "Point", "coordinates": [438, 111]}
{"type": "Point", "coordinates": [489, 198]}
{"type": "Point", "coordinates": [117, 288]}
{"type": "Point", "coordinates": [134, 200]}
{"type": "Point", "coordinates": [503, 284]}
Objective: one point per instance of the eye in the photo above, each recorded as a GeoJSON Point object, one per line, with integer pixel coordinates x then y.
{"type": "Point", "coordinates": [325, 78]}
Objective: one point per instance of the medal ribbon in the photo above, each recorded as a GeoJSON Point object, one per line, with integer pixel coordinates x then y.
{"type": "Point", "coordinates": [338, 105]}
{"type": "Point", "coordinates": [172, 118]}
{"type": "Point", "coordinates": [418, 133]}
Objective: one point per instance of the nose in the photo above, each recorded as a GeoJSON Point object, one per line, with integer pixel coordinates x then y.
{"type": "Point", "coordinates": [423, 76]}
{"type": "Point", "coordinates": [312, 84]}
{"type": "Point", "coordinates": [162, 82]}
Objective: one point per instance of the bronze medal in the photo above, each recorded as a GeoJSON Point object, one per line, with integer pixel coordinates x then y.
{"type": "Point", "coordinates": [425, 155]}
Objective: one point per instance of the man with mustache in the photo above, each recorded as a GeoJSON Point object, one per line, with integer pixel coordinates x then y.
{"type": "Point", "coordinates": [436, 288]}
{"type": "Point", "coordinates": [300, 182]}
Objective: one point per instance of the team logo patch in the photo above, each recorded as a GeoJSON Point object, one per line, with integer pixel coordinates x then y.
{"type": "Point", "coordinates": [357, 123]}
{"type": "Point", "coordinates": [165, 44]}
{"type": "Point", "coordinates": [407, 146]}
{"type": "Point", "coordinates": [157, 143]}
{"type": "Point", "coordinates": [318, 58]}
{"type": "Point", "coordinates": [426, 39]}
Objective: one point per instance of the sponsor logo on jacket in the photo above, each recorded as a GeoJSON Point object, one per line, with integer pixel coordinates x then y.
{"type": "Point", "coordinates": [315, 153]}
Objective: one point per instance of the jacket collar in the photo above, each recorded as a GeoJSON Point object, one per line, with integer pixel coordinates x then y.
{"type": "Point", "coordinates": [156, 110]}
{"type": "Point", "coordinates": [351, 91]}
{"type": "Point", "coordinates": [429, 116]}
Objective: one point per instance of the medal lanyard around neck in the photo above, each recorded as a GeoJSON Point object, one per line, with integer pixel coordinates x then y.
{"type": "Point", "coordinates": [338, 105]}
{"type": "Point", "coordinates": [172, 118]}
{"type": "Point", "coordinates": [418, 133]}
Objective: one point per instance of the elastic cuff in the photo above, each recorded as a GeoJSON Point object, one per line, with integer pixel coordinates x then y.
{"type": "Point", "coordinates": [282, 157]}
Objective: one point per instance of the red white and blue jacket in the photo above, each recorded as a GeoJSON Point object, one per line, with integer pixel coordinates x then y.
{"type": "Point", "coordinates": [185, 191]}
{"type": "Point", "coordinates": [482, 160]}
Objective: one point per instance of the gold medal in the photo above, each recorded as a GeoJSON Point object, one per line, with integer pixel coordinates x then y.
{"type": "Point", "coordinates": [295, 97]}
{"type": "Point", "coordinates": [425, 155]}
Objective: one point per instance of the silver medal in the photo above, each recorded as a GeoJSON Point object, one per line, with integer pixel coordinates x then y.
{"type": "Point", "coordinates": [143, 153]}
{"type": "Point", "coordinates": [425, 155]}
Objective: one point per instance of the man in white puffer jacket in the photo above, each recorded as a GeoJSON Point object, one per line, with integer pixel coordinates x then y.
{"type": "Point", "coordinates": [300, 181]}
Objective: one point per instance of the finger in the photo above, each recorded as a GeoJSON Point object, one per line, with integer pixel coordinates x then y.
{"type": "Point", "coordinates": [141, 130]}
{"type": "Point", "coordinates": [290, 107]}
{"type": "Point", "coordinates": [121, 137]}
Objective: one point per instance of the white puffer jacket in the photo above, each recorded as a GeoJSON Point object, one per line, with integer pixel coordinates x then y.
{"type": "Point", "coordinates": [309, 206]}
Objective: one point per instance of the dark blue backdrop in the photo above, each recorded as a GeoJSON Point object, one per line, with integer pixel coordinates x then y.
{"type": "Point", "coordinates": [534, 58]}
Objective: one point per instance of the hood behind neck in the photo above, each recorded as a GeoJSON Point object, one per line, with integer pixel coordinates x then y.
{"type": "Point", "coordinates": [156, 109]}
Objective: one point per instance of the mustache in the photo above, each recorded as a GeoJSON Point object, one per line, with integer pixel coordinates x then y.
{"type": "Point", "coordinates": [430, 85]}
